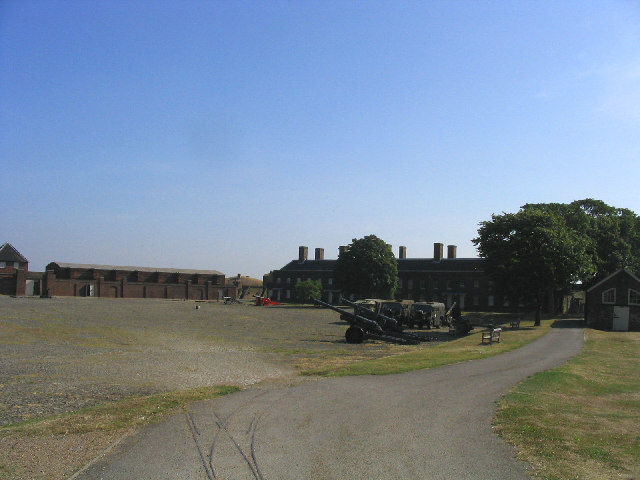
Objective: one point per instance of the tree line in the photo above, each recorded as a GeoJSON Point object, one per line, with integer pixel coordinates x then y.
{"type": "Point", "coordinates": [542, 248]}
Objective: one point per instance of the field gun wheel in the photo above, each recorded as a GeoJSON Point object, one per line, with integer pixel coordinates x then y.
{"type": "Point", "coordinates": [354, 335]}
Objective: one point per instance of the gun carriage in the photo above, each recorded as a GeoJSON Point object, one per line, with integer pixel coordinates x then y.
{"type": "Point", "coordinates": [368, 324]}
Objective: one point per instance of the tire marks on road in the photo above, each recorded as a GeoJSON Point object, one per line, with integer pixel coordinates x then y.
{"type": "Point", "coordinates": [243, 440]}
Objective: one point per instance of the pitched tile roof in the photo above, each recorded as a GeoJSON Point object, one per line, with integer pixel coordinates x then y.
{"type": "Point", "coordinates": [8, 253]}
{"type": "Point", "coordinates": [404, 265]}
{"type": "Point", "coordinates": [85, 266]}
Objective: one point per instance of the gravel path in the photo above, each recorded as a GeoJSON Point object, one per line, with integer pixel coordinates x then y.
{"type": "Point", "coordinates": [431, 424]}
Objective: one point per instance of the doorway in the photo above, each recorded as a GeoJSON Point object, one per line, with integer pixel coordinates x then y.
{"type": "Point", "coordinates": [620, 319]}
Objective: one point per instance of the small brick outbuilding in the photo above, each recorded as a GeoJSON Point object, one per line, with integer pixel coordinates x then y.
{"type": "Point", "coordinates": [13, 270]}
{"type": "Point", "coordinates": [614, 303]}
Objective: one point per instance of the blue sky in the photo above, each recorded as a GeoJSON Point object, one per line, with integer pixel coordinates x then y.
{"type": "Point", "coordinates": [223, 135]}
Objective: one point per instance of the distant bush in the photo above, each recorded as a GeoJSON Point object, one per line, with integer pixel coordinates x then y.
{"type": "Point", "coordinates": [304, 291]}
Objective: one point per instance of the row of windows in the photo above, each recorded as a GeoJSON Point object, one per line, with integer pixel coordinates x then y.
{"type": "Point", "coordinates": [436, 284]}
{"type": "Point", "coordinates": [288, 280]}
{"type": "Point", "coordinates": [14, 264]}
{"type": "Point", "coordinates": [491, 300]}
{"type": "Point", "coordinates": [447, 284]}
{"type": "Point", "coordinates": [609, 297]}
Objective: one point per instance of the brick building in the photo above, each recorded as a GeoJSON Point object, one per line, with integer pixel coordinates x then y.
{"type": "Point", "coordinates": [14, 268]}
{"type": "Point", "coordinates": [440, 279]}
{"type": "Point", "coordinates": [614, 303]}
{"type": "Point", "coordinates": [81, 280]}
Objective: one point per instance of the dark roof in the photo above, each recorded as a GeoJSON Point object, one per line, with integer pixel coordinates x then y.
{"type": "Point", "coordinates": [444, 265]}
{"type": "Point", "coordinates": [84, 266]}
{"type": "Point", "coordinates": [404, 265]}
{"type": "Point", "coordinates": [619, 272]}
{"type": "Point", "coordinates": [309, 265]}
{"type": "Point", "coordinates": [9, 254]}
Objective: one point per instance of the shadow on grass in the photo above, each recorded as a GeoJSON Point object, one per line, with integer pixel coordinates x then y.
{"type": "Point", "coordinates": [568, 323]}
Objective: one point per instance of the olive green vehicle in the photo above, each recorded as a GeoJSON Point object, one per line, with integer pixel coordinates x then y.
{"type": "Point", "coordinates": [427, 314]}
{"type": "Point", "coordinates": [397, 309]}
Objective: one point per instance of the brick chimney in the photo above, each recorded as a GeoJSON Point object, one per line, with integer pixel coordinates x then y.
{"type": "Point", "coordinates": [438, 251]}
{"type": "Point", "coordinates": [452, 251]}
{"type": "Point", "coordinates": [402, 252]}
{"type": "Point", "coordinates": [303, 252]}
{"type": "Point", "coordinates": [319, 253]}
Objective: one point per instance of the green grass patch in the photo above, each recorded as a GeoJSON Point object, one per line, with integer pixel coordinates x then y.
{"type": "Point", "coordinates": [118, 415]}
{"type": "Point", "coordinates": [406, 359]}
{"type": "Point", "coordinates": [581, 420]}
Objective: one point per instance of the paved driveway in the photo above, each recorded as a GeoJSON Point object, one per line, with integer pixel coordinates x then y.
{"type": "Point", "coordinates": [429, 424]}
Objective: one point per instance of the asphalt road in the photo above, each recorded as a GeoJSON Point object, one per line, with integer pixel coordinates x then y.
{"type": "Point", "coordinates": [429, 424]}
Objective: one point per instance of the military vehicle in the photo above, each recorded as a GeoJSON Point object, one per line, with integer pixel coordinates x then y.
{"type": "Point", "coordinates": [365, 323]}
{"type": "Point", "coordinates": [427, 314]}
{"type": "Point", "coordinates": [398, 309]}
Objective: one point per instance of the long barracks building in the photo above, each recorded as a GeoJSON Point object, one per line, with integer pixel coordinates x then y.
{"type": "Point", "coordinates": [437, 279]}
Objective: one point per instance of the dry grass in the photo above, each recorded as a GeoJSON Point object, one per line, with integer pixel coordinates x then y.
{"type": "Point", "coordinates": [581, 420]}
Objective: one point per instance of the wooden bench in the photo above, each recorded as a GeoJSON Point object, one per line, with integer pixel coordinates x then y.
{"type": "Point", "coordinates": [515, 323]}
{"type": "Point", "coordinates": [491, 336]}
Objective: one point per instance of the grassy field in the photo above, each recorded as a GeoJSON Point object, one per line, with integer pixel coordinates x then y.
{"type": "Point", "coordinates": [110, 366]}
{"type": "Point", "coordinates": [581, 420]}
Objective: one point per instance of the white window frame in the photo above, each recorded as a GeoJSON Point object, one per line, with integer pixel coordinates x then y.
{"type": "Point", "coordinates": [634, 297]}
{"type": "Point", "coordinates": [3, 264]}
{"type": "Point", "coordinates": [606, 300]}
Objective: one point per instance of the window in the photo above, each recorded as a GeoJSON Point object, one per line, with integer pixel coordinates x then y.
{"type": "Point", "coordinates": [634, 297]}
{"type": "Point", "coordinates": [476, 284]}
{"type": "Point", "coordinates": [422, 284]}
{"type": "Point", "coordinates": [16, 264]}
{"type": "Point", "coordinates": [410, 284]}
{"type": "Point", "coordinates": [278, 280]}
{"type": "Point", "coordinates": [476, 300]}
{"type": "Point", "coordinates": [609, 296]}
{"type": "Point", "coordinates": [490, 300]}
{"type": "Point", "coordinates": [3, 264]}
{"type": "Point", "coordinates": [330, 281]}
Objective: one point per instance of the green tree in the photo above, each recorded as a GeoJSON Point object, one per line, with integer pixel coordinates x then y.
{"type": "Point", "coordinates": [367, 268]}
{"type": "Point", "coordinates": [531, 252]}
{"type": "Point", "coordinates": [304, 291]}
{"type": "Point", "coordinates": [614, 235]}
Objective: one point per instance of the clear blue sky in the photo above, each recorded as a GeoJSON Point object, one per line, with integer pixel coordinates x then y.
{"type": "Point", "coordinates": [224, 134]}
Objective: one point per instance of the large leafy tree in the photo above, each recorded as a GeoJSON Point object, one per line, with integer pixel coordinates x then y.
{"type": "Point", "coordinates": [531, 252]}
{"type": "Point", "coordinates": [612, 234]}
{"type": "Point", "coordinates": [367, 268]}
{"type": "Point", "coordinates": [304, 291]}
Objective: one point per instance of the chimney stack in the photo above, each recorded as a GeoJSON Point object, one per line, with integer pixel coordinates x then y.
{"type": "Point", "coordinates": [438, 251]}
{"type": "Point", "coordinates": [452, 251]}
{"type": "Point", "coordinates": [342, 249]}
{"type": "Point", "coordinates": [303, 252]}
{"type": "Point", "coordinates": [319, 253]}
{"type": "Point", "coordinates": [402, 252]}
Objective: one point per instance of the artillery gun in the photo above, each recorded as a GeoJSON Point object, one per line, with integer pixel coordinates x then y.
{"type": "Point", "coordinates": [458, 324]}
{"type": "Point", "coordinates": [429, 314]}
{"type": "Point", "coordinates": [367, 324]}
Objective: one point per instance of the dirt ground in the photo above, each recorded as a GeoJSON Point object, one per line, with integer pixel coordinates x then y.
{"type": "Point", "coordinates": [61, 354]}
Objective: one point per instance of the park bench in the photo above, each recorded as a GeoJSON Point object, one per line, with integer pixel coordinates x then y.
{"type": "Point", "coordinates": [492, 335]}
{"type": "Point", "coordinates": [515, 322]}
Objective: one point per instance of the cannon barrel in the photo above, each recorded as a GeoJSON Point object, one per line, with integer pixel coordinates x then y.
{"type": "Point", "coordinates": [352, 317]}
{"type": "Point", "coordinates": [388, 322]}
